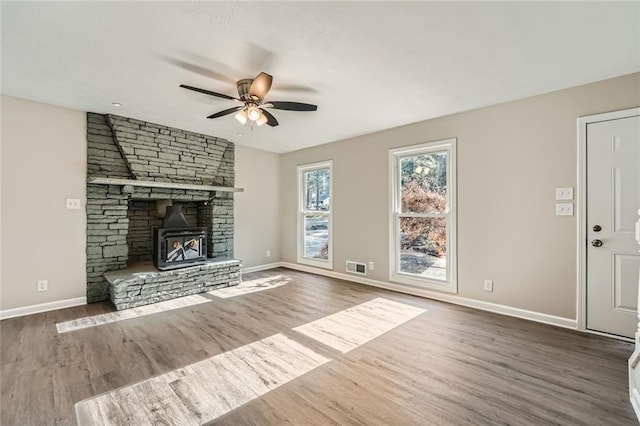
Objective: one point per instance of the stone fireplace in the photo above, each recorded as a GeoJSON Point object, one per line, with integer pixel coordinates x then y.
{"type": "Point", "coordinates": [135, 171]}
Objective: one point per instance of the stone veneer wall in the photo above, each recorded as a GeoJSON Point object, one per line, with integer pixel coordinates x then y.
{"type": "Point", "coordinates": [125, 148]}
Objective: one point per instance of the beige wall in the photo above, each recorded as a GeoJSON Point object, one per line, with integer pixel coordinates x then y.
{"type": "Point", "coordinates": [257, 212]}
{"type": "Point", "coordinates": [511, 157]}
{"type": "Point", "coordinates": [44, 161]}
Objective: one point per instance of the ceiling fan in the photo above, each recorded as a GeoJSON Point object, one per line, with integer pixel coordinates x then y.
{"type": "Point", "coordinates": [251, 94]}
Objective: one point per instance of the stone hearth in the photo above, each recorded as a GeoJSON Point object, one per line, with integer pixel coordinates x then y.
{"type": "Point", "coordinates": [143, 284]}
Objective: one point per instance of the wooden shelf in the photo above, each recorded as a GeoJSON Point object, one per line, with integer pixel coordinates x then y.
{"type": "Point", "coordinates": [154, 184]}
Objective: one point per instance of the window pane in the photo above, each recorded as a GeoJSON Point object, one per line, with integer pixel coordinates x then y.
{"type": "Point", "coordinates": [316, 190]}
{"type": "Point", "coordinates": [423, 247]}
{"type": "Point", "coordinates": [423, 183]}
{"type": "Point", "coordinates": [316, 237]}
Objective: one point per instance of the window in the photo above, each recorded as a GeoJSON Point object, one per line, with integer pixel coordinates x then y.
{"type": "Point", "coordinates": [423, 215]}
{"type": "Point", "coordinates": [314, 219]}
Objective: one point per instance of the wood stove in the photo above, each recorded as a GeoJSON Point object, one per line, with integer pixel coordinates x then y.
{"type": "Point", "coordinates": [176, 244]}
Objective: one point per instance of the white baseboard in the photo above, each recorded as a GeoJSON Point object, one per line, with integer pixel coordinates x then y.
{"type": "Point", "coordinates": [634, 374]}
{"type": "Point", "coordinates": [635, 402]}
{"type": "Point", "coordinates": [43, 307]}
{"type": "Point", "coordinates": [261, 267]}
{"type": "Point", "coordinates": [444, 297]}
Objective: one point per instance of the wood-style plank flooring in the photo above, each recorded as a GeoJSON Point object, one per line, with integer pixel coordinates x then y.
{"type": "Point", "coordinates": [446, 365]}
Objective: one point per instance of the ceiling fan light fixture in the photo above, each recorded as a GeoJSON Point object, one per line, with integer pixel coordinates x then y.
{"type": "Point", "coordinates": [254, 113]}
{"type": "Point", "coordinates": [262, 120]}
{"type": "Point", "coordinates": [242, 116]}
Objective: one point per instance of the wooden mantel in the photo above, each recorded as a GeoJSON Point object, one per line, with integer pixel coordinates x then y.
{"type": "Point", "coordinates": [154, 184]}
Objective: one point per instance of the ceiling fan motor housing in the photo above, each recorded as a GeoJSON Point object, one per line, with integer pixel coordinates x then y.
{"type": "Point", "coordinates": [244, 86]}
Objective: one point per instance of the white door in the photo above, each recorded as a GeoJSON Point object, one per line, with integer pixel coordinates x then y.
{"type": "Point", "coordinates": [613, 199]}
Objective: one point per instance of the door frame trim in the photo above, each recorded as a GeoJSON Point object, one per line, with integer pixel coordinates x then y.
{"type": "Point", "coordinates": [581, 206]}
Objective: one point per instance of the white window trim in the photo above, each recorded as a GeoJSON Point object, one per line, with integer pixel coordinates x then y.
{"type": "Point", "coordinates": [326, 264]}
{"type": "Point", "coordinates": [451, 284]}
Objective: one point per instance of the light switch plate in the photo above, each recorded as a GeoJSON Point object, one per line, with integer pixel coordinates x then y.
{"type": "Point", "coordinates": [564, 209]}
{"type": "Point", "coordinates": [73, 203]}
{"type": "Point", "coordinates": [564, 193]}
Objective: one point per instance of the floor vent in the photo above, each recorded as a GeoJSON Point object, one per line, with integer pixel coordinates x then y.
{"type": "Point", "coordinates": [356, 268]}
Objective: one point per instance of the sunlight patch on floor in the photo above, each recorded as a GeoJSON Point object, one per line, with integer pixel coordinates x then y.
{"type": "Point", "coordinates": [201, 392]}
{"type": "Point", "coordinates": [348, 329]}
{"type": "Point", "coordinates": [251, 286]}
{"type": "Point", "coordinates": [245, 287]}
{"type": "Point", "coordinates": [95, 320]}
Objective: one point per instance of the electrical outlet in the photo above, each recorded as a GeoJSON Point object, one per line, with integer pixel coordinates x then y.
{"type": "Point", "coordinates": [564, 209]}
{"type": "Point", "coordinates": [268, 253]}
{"type": "Point", "coordinates": [488, 285]}
{"type": "Point", "coordinates": [371, 266]}
{"type": "Point", "coordinates": [73, 204]}
{"type": "Point", "coordinates": [43, 285]}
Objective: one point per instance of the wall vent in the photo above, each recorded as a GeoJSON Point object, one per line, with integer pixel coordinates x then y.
{"type": "Point", "coordinates": [356, 268]}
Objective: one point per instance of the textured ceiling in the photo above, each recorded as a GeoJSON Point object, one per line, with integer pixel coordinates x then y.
{"type": "Point", "coordinates": [368, 66]}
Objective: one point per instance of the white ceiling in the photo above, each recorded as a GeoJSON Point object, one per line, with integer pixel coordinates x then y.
{"type": "Point", "coordinates": [368, 66]}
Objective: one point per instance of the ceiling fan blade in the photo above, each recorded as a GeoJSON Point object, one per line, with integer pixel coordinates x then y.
{"type": "Point", "coordinates": [208, 92]}
{"type": "Point", "coordinates": [195, 67]}
{"type": "Point", "coordinates": [226, 112]}
{"type": "Point", "coordinates": [271, 120]}
{"type": "Point", "coordinates": [291, 106]}
{"type": "Point", "coordinates": [261, 85]}
{"type": "Point", "coordinates": [294, 88]}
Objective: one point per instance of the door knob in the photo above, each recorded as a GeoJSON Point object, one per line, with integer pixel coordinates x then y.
{"type": "Point", "coordinates": [597, 228]}
{"type": "Point", "coordinates": [596, 243]}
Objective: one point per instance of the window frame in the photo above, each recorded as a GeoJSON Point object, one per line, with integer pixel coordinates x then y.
{"type": "Point", "coordinates": [450, 285]}
{"type": "Point", "coordinates": [302, 213]}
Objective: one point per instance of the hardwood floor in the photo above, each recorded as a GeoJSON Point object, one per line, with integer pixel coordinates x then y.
{"type": "Point", "coordinates": [446, 365]}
